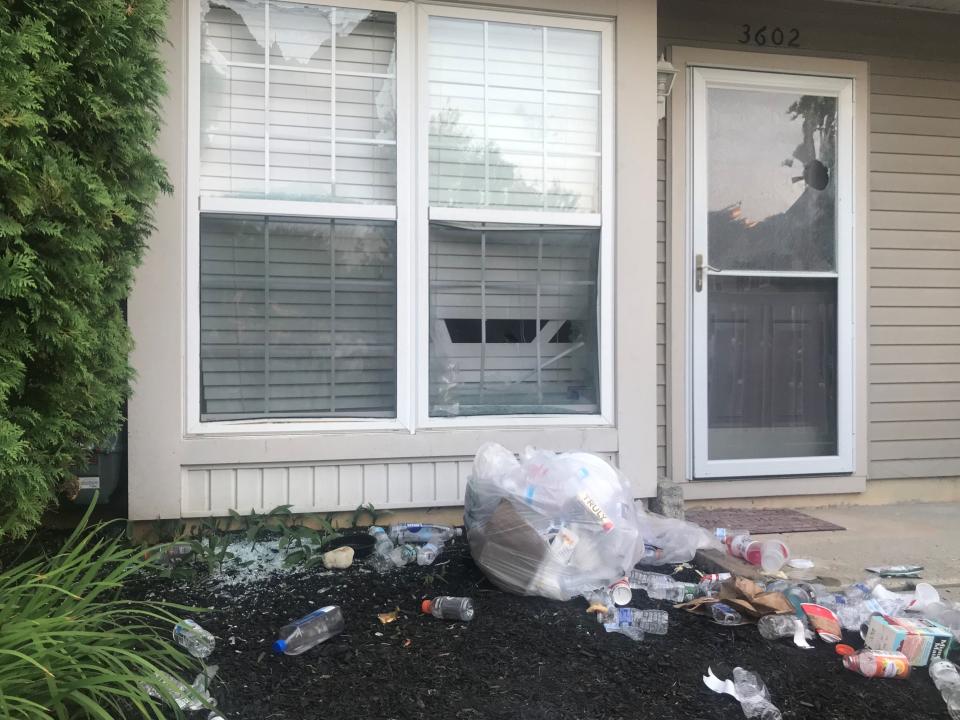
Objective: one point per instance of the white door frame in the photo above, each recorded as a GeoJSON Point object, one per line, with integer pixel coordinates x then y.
{"type": "Point", "coordinates": [702, 78]}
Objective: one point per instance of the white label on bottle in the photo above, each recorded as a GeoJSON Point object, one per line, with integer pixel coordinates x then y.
{"type": "Point", "coordinates": [89, 483]}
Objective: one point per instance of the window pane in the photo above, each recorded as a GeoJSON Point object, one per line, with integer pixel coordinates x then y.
{"type": "Point", "coordinates": [514, 116]}
{"type": "Point", "coordinates": [771, 180]}
{"type": "Point", "coordinates": [513, 320]}
{"type": "Point", "coordinates": [298, 318]}
{"type": "Point", "coordinates": [315, 83]}
{"type": "Point", "coordinates": [772, 378]}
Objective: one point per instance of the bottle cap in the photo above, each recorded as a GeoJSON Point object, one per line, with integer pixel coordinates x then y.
{"type": "Point", "coordinates": [842, 649]}
{"type": "Point", "coordinates": [427, 606]}
{"type": "Point", "coordinates": [279, 646]}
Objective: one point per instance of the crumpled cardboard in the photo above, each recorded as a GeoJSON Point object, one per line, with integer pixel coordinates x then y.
{"type": "Point", "coordinates": [745, 596]}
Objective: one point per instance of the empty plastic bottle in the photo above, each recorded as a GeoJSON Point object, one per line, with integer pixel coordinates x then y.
{"type": "Point", "coordinates": [670, 589]}
{"type": "Point", "coordinates": [317, 627]}
{"type": "Point", "coordinates": [194, 639]}
{"type": "Point", "coordinates": [449, 608]}
{"type": "Point", "coordinates": [947, 679]}
{"type": "Point", "coordinates": [774, 627]}
{"type": "Point", "coordinates": [754, 696]}
{"type": "Point", "coordinates": [426, 554]}
{"type": "Point", "coordinates": [383, 546]}
{"type": "Point", "coordinates": [418, 533]}
{"type": "Point", "coordinates": [172, 553]}
{"type": "Point", "coordinates": [403, 555]}
{"type": "Point", "coordinates": [648, 621]}
{"type": "Point", "coordinates": [874, 663]}
{"type": "Point", "coordinates": [643, 579]}
{"type": "Point", "coordinates": [725, 615]}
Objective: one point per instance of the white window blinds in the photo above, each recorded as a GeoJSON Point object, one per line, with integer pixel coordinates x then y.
{"type": "Point", "coordinates": [514, 116]}
{"type": "Point", "coordinates": [298, 102]}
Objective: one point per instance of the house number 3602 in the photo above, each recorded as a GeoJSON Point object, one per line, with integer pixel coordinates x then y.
{"type": "Point", "coordinates": [765, 35]}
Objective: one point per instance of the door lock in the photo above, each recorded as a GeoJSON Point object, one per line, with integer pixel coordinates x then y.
{"type": "Point", "coordinates": [699, 271]}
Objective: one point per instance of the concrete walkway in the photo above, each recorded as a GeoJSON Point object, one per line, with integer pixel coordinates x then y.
{"type": "Point", "coordinates": [925, 534]}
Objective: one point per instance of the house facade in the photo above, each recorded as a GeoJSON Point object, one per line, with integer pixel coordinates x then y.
{"type": "Point", "coordinates": [402, 229]}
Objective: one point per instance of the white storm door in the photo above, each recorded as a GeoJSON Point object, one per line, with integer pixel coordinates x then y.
{"type": "Point", "coordinates": [771, 268]}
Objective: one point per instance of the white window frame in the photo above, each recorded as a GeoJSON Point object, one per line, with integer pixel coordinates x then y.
{"type": "Point", "coordinates": [842, 88]}
{"type": "Point", "coordinates": [603, 219]}
{"type": "Point", "coordinates": [412, 215]}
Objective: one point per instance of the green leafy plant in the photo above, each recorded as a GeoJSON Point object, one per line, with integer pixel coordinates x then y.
{"type": "Point", "coordinates": [369, 511]}
{"type": "Point", "coordinates": [71, 648]}
{"type": "Point", "coordinates": [81, 83]}
{"type": "Point", "coordinates": [211, 546]}
{"type": "Point", "coordinates": [302, 544]}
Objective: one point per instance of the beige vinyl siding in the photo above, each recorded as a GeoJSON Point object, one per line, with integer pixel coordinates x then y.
{"type": "Point", "coordinates": [661, 301]}
{"type": "Point", "coordinates": [914, 221]}
{"type": "Point", "coordinates": [915, 270]}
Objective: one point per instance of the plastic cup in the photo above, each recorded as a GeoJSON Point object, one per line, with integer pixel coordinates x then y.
{"type": "Point", "coordinates": [773, 555]}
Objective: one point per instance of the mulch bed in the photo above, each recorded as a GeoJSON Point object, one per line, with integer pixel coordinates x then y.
{"type": "Point", "coordinates": [519, 657]}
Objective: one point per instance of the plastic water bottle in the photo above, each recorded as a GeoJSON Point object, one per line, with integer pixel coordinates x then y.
{"type": "Point", "coordinates": [313, 629]}
{"type": "Point", "coordinates": [649, 621]}
{"type": "Point", "coordinates": [754, 696]}
{"type": "Point", "coordinates": [643, 579]}
{"type": "Point", "coordinates": [382, 542]}
{"type": "Point", "coordinates": [194, 639]}
{"type": "Point", "coordinates": [172, 553]}
{"type": "Point", "coordinates": [426, 554]}
{"type": "Point", "coordinates": [447, 607]}
{"type": "Point", "coordinates": [774, 627]}
{"type": "Point", "coordinates": [674, 592]}
{"type": "Point", "coordinates": [418, 533]}
{"type": "Point", "coordinates": [947, 679]}
{"type": "Point", "coordinates": [403, 554]}
{"type": "Point", "coordinates": [723, 614]}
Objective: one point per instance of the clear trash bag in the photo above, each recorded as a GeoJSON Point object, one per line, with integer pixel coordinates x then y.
{"type": "Point", "coordinates": [676, 541]}
{"type": "Point", "coordinates": [550, 524]}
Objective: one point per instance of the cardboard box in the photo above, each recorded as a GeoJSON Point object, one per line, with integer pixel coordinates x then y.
{"type": "Point", "coordinates": [919, 639]}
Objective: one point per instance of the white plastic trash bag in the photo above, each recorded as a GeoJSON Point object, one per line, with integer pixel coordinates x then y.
{"type": "Point", "coordinates": [550, 524]}
{"type": "Point", "coordinates": [671, 541]}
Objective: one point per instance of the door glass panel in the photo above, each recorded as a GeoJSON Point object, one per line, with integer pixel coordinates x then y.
{"type": "Point", "coordinates": [772, 374]}
{"type": "Point", "coordinates": [771, 166]}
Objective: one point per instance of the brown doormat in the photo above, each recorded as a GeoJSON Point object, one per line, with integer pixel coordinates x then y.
{"type": "Point", "coordinates": [759, 521]}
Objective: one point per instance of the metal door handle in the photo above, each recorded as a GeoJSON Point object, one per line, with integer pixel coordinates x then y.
{"type": "Point", "coordinates": [699, 271]}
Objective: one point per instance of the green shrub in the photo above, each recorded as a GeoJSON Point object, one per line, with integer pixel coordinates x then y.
{"type": "Point", "coordinates": [70, 647]}
{"type": "Point", "coordinates": [80, 87]}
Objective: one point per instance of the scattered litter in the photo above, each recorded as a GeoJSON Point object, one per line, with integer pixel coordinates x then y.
{"type": "Point", "coordinates": [418, 533]}
{"type": "Point", "coordinates": [428, 552]}
{"type": "Point", "coordinates": [550, 524]}
{"type": "Point", "coordinates": [169, 554]}
{"type": "Point", "coordinates": [824, 622]}
{"type": "Point", "coordinates": [723, 614]}
{"type": "Point", "coordinates": [635, 623]}
{"type": "Point", "coordinates": [383, 546]}
{"type": "Point", "coordinates": [800, 563]}
{"type": "Point", "coordinates": [669, 540]}
{"type": "Point", "coordinates": [166, 687]}
{"type": "Point", "coordinates": [407, 642]}
{"type": "Point", "coordinates": [749, 599]}
{"type": "Point", "coordinates": [449, 608]}
{"type": "Point", "coordinates": [338, 559]}
{"type": "Point", "coordinates": [877, 664]}
{"type": "Point", "coordinates": [901, 571]}
{"type": "Point", "coordinates": [194, 639]}
{"type": "Point", "coordinates": [747, 688]}
{"type": "Point", "coordinates": [403, 555]}
{"type": "Point", "coordinates": [620, 592]}
{"type": "Point", "coordinates": [774, 627]}
{"type": "Point", "coordinates": [842, 649]}
{"type": "Point", "coordinates": [388, 617]}
{"type": "Point", "coordinates": [918, 638]}
{"type": "Point", "coordinates": [947, 679]}
{"type": "Point", "coordinates": [216, 715]}
{"type": "Point", "coordinates": [771, 555]}
{"type": "Point", "coordinates": [301, 635]}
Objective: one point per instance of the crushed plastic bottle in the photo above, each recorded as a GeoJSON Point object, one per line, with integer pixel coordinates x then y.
{"type": "Point", "coordinates": [650, 621]}
{"type": "Point", "coordinates": [754, 696]}
{"type": "Point", "coordinates": [946, 677]}
{"type": "Point", "coordinates": [164, 686]}
{"type": "Point", "coordinates": [194, 639]}
{"type": "Point", "coordinates": [723, 614]}
{"type": "Point", "coordinates": [774, 627]}
{"type": "Point", "coordinates": [383, 546]}
{"type": "Point", "coordinates": [427, 553]}
{"type": "Point", "coordinates": [313, 629]}
{"type": "Point", "coordinates": [169, 554]}
{"type": "Point", "coordinates": [403, 554]}
{"type": "Point", "coordinates": [877, 664]}
{"type": "Point", "coordinates": [447, 607]}
{"type": "Point", "coordinates": [419, 533]}
{"type": "Point", "coordinates": [643, 579]}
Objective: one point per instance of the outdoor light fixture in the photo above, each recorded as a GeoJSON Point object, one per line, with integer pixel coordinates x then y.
{"type": "Point", "coordinates": [666, 74]}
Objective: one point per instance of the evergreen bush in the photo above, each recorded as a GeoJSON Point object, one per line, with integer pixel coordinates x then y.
{"type": "Point", "coordinates": [81, 83]}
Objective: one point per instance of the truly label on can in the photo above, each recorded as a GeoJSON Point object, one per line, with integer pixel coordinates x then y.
{"type": "Point", "coordinates": [594, 509]}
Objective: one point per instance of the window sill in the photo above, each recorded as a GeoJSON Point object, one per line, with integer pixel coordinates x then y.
{"type": "Point", "coordinates": [773, 487]}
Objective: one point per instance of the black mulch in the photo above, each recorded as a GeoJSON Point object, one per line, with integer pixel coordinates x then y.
{"type": "Point", "coordinates": [519, 658]}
